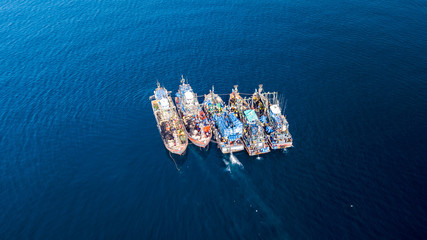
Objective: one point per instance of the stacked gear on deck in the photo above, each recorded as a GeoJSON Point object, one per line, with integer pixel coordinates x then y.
{"type": "Point", "coordinates": [228, 130]}
{"type": "Point", "coordinates": [237, 125]}
{"type": "Point", "coordinates": [229, 126]}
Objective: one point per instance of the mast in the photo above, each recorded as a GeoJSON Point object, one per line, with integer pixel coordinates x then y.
{"type": "Point", "coordinates": [213, 95]}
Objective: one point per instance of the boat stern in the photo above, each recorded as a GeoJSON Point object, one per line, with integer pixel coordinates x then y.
{"type": "Point", "coordinates": [280, 145]}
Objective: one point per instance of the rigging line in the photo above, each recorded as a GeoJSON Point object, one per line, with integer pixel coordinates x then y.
{"type": "Point", "coordinates": [239, 93]}
{"type": "Point", "coordinates": [226, 94]}
{"type": "Point", "coordinates": [176, 165]}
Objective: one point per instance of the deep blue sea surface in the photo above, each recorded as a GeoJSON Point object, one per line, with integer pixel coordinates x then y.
{"type": "Point", "coordinates": [81, 157]}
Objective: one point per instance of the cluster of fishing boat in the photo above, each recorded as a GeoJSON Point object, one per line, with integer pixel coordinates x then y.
{"type": "Point", "coordinates": [255, 123]}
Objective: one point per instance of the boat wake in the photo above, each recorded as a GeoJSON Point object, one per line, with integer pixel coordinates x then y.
{"type": "Point", "coordinates": [268, 217]}
{"type": "Point", "coordinates": [228, 168]}
{"type": "Point", "coordinates": [235, 161]}
{"type": "Point", "coordinates": [232, 162]}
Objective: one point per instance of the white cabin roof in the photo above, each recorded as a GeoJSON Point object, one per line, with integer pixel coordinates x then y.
{"type": "Point", "coordinates": [275, 109]}
{"type": "Point", "coordinates": [164, 103]}
{"type": "Point", "coordinates": [189, 96]}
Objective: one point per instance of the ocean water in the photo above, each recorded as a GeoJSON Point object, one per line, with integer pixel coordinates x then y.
{"type": "Point", "coordinates": [81, 158]}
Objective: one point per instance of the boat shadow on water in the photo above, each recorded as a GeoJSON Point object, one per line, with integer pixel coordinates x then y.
{"type": "Point", "coordinates": [177, 160]}
{"type": "Point", "coordinates": [199, 151]}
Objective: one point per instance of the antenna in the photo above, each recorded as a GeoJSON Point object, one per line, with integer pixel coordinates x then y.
{"type": "Point", "coordinates": [235, 88]}
{"type": "Point", "coordinates": [212, 94]}
{"type": "Point", "coordinates": [260, 88]}
{"type": "Point", "coordinates": [284, 109]}
{"type": "Point", "coordinates": [182, 79]}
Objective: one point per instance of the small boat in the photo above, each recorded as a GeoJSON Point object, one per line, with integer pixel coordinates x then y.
{"type": "Point", "coordinates": [253, 136]}
{"type": "Point", "coordinates": [170, 126]}
{"type": "Point", "coordinates": [196, 124]}
{"type": "Point", "coordinates": [227, 129]}
{"type": "Point", "coordinates": [267, 108]}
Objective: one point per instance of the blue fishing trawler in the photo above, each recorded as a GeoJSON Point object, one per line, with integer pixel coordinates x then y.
{"type": "Point", "coordinates": [267, 108]}
{"type": "Point", "coordinates": [254, 137]}
{"type": "Point", "coordinates": [227, 128]}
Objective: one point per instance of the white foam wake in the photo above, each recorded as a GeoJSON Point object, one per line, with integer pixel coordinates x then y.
{"type": "Point", "coordinates": [235, 161]}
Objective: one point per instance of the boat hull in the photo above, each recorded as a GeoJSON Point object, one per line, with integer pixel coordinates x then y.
{"type": "Point", "coordinates": [228, 148]}
{"type": "Point", "coordinates": [265, 149]}
{"type": "Point", "coordinates": [280, 146]}
{"type": "Point", "coordinates": [195, 141]}
{"type": "Point", "coordinates": [179, 150]}
{"type": "Point", "coordinates": [223, 147]}
{"type": "Point", "coordinates": [269, 108]}
{"type": "Point", "coordinates": [276, 146]}
{"type": "Point", "coordinates": [199, 143]}
{"type": "Point", "coordinates": [205, 142]}
{"type": "Point", "coordinates": [240, 109]}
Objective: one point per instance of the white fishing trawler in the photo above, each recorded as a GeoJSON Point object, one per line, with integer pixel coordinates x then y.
{"type": "Point", "coordinates": [197, 126]}
{"type": "Point", "coordinates": [169, 124]}
{"type": "Point", "coordinates": [267, 108]}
